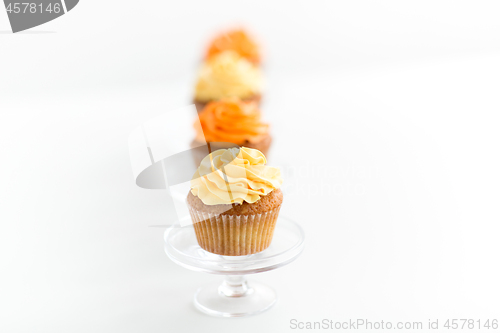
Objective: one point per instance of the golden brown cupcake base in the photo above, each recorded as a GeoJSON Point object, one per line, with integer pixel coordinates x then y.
{"type": "Point", "coordinates": [200, 105]}
{"type": "Point", "coordinates": [237, 229]}
{"type": "Point", "coordinates": [235, 235]}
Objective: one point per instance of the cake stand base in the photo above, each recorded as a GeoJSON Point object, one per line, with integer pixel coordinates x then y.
{"type": "Point", "coordinates": [234, 298]}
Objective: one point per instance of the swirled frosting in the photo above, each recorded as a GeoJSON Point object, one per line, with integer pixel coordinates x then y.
{"type": "Point", "coordinates": [235, 40]}
{"type": "Point", "coordinates": [228, 74]}
{"type": "Point", "coordinates": [234, 175]}
{"type": "Point", "coordinates": [230, 120]}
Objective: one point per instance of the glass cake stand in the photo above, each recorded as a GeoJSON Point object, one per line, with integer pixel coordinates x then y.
{"type": "Point", "coordinates": [235, 297]}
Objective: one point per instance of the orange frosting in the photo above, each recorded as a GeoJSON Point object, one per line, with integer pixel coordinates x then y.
{"type": "Point", "coordinates": [231, 120]}
{"type": "Point", "coordinates": [238, 41]}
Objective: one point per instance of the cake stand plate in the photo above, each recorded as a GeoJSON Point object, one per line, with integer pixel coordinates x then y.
{"type": "Point", "coordinates": [235, 297]}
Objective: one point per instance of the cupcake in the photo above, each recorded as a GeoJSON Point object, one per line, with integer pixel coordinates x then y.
{"type": "Point", "coordinates": [235, 40]}
{"type": "Point", "coordinates": [234, 202]}
{"type": "Point", "coordinates": [227, 74]}
{"type": "Point", "coordinates": [230, 123]}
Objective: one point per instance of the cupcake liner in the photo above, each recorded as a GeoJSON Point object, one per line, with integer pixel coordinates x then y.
{"type": "Point", "coordinates": [234, 235]}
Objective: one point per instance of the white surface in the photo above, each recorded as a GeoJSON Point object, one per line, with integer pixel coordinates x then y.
{"type": "Point", "coordinates": [392, 107]}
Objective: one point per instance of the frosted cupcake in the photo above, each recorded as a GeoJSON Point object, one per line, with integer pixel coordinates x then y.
{"type": "Point", "coordinates": [227, 74]}
{"type": "Point", "coordinates": [234, 202]}
{"type": "Point", "coordinates": [231, 121]}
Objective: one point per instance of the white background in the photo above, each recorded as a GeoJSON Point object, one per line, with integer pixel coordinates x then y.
{"type": "Point", "coordinates": [387, 110]}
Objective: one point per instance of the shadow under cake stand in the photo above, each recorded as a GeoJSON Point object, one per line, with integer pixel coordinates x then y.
{"type": "Point", "coordinates": [235, 297]}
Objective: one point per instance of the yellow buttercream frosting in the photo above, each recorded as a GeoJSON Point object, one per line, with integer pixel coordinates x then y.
{"type": "Point", "coordinates": [228, 74]}
{"type": "Point", "coordinates": [234, 175]}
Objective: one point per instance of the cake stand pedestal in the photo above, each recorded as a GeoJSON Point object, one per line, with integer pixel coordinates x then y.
{"type": "Point", "coordinates": [235, 296]}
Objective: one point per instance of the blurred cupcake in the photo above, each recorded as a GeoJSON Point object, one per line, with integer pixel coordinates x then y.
{"type": "Point", "coordinates": [227, 74]}
{"type": "Point", "coordinates": [234, 202]}
{"type": "Point", "coordinates": [238, 41]}
{"type": "Point", "coordinates": [229, 123]}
